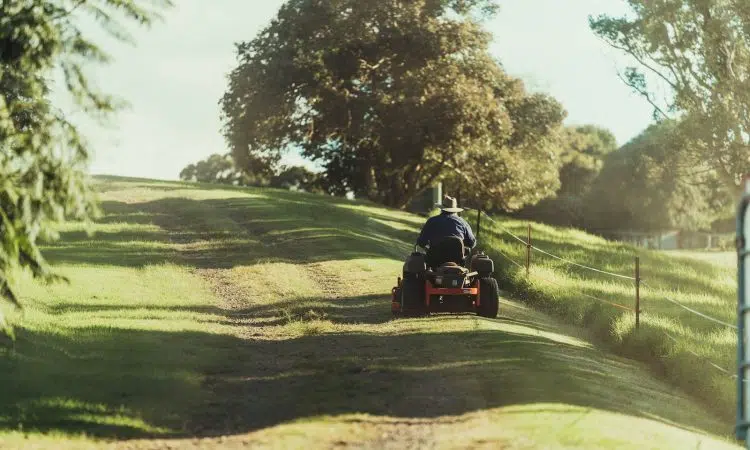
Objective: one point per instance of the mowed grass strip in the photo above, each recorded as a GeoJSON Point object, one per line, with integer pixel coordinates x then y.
{"type": "Point", "coordinates": [121, 351]}
{"type": "Point", "coordinates": [559, 288]}
{"type": "Point", "coordinates": [244, 317]}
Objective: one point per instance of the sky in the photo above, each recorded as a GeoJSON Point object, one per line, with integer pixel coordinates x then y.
{"type": "Point", "coordinates": [175, 74]}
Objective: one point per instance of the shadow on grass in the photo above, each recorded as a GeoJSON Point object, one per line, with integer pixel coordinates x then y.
{"type": "Point", "coordinates": [366, 309]}
{"type": "Point", "coordinates": [229, 232]}
{"type": "Point", "coordinates": [648, 344]}
{"type": "Point", "coordinates": [96, 381]}
{"type": "Point", "coordinates": [102, 379]}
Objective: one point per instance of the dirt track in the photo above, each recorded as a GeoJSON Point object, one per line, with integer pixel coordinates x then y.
{"type": "Point", "coordinates": [320, 363]}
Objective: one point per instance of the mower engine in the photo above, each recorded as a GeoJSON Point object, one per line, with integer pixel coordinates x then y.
{"type": "Point", "coordinates": [451, 281]}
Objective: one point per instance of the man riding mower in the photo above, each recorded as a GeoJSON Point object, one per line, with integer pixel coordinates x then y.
{"type": "Point", "coordinates": [440, 280]}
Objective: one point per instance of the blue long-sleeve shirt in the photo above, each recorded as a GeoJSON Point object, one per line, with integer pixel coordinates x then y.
{"type": "Point", "coordinates": [444, 225]}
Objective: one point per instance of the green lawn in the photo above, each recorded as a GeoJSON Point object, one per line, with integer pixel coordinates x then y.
{"type": "Point", "coordinates": [695, 280]}
{"type": "Point", "coordinates": [227, 317]}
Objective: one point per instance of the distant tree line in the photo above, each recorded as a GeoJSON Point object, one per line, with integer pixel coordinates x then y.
{"type": "Point", "coordinates": [601, 187]}
{"type": "Point", "coordinates": [393, 96]}
{"type": "Point", "coordinates": [685, 170]}
{"type": "Point", "coordinates": [639, 186]}
{"type": "Point", "coordinates": [390, 97]}
{"type": "Point", "coordinates": [221, 169]}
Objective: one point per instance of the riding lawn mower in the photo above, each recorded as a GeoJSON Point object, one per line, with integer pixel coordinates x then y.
{"type": "Point", "coordinates": [440, 280]}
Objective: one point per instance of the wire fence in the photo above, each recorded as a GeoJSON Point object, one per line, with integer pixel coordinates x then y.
{"type": "Point", "coordinates": [711, 363]}
{"type": "Point", "coordinates": [637, 279]}
{"type": "Point", "coordinates": [698, 313]}
{"type": "Point", "coordinates": [617, 275]}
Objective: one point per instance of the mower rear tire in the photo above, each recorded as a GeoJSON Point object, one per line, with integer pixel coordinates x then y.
{"type": "Point", "coordinates": [412, 296]}
{"type": "Point", "coordinates": [489, 297]}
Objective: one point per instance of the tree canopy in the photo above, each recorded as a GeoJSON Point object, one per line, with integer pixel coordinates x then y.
{"type": "Point", "coordinates": [220, 169]}
{"type": "Point", "coordinates": [390, 97]}
{"type": "Point", "coordinates": [583, 150]}
{"type": "Point", "coordinates": [700, 51]}
{"type": "Point", "coordinates": [42, 156]}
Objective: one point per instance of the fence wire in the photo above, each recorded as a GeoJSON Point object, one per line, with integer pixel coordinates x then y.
{"type": "Point", "coordinates": [584, 267]}
{"type": "Point", "coordinates": [567, 261]}
{"type": "Point", "coordinates": [698, 313]}
{"type": "Point", "coordinates": [560, 285]}
{"type": "Point", "coordinates": [510, 259]}
{"type": "Point", "coordinates": [604, 272]}
{"type": "Point", "coordinates": [616, 305]}
{"type": "Point", "coordinates": [711, 363]}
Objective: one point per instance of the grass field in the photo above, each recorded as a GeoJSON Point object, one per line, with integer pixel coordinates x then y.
{"type": "Point", "coordinates": [725, 259]}
{"type": "Point", "coordinates": [704, 282]}
{"type": "Point", "coordinates": [206, 317]}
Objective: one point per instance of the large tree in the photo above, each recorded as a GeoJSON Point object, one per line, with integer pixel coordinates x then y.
{"type": "Point", "coordinates": [42, 157]}
{"type": "Point", "coordinates": [519, 167]}
{"type": "Point", "coordinates": [699, 50]}
{"type": "Point", "coordinates": [390, 96]}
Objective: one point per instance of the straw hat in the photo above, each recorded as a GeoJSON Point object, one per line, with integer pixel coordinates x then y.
{"type": "Point", "coordinates": [450, 205]}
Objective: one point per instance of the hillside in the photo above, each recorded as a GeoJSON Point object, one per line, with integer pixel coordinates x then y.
{"type": "Point", "coordinates": [722, 258]}
{"type": "Point", "coordinates": [207, 316]}
{"type": "Point", "coordinates": [687, 301]}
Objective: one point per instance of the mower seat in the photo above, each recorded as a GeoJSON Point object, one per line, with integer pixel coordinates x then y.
{"type": "Point", "coordinates": [448, 250]}
{"type": "Point", "coordinates": [451, 269]}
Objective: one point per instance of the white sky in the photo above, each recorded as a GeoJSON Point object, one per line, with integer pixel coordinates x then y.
{"type": "Point", "coordinates": [175, 75]}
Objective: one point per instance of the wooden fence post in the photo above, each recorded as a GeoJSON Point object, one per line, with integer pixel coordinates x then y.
{"type": "Point", "coordinates": [528, 249]}
{"type": "Point", "coordinates": [637, 292]}
{"type": "Point", "coordinates": [479, 219]}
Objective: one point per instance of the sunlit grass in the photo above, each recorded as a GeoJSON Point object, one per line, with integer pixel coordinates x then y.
{"type": "Point", "coordinates": [723, 258]}
{"type": "Point", "coordinates": [699, 284]}
{"type": "Point", "coordinates": [263, 316]}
